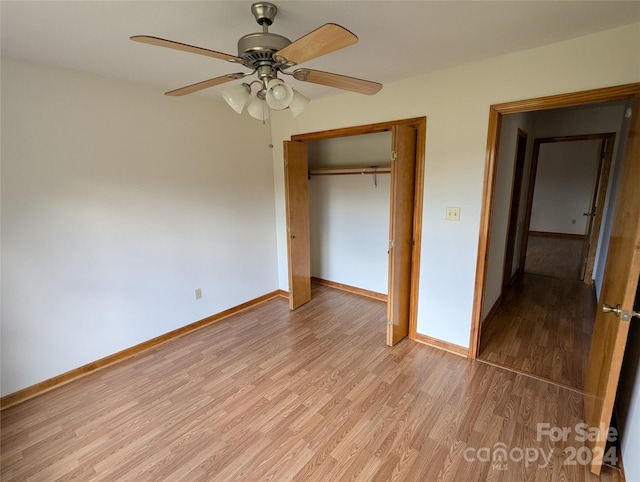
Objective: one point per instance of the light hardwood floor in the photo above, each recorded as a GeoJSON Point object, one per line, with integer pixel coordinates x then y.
{"type": "Point", "coordinates": [314, 394]}
{"type": "Point", "coordinates": [543, 327]}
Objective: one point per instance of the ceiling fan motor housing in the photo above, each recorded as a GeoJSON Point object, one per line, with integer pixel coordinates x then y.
{"type": "Point", "coordinates": [257, 49]}
{"type": "Point", "coordinates": [260, 46]}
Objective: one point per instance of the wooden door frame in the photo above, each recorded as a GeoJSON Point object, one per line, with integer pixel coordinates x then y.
{"type": "Point", "coordinates": [600, 193]}
{"type": "Point", "coordinates": [602, 174]}
{"type": "Point", "coordinates": [420, 124]}
{"type": "Point", "coordinates": [514, 209]}
{"type": "Point", "coordinates": [496, 112]}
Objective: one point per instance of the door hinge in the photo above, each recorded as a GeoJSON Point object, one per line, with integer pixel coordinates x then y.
{"type": "Point", "coordinates": [394, 155]}
{"type": "Point", "coordinates": [391, 244]}
{"type": "Point", "coordinates": [286, 164]}
{"type": "Point", "coordinates": [389, 322]}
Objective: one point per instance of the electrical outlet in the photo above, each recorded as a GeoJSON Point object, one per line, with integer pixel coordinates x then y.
{"type": "Point", "coordinates": [452, 214]}
{"type": "Point", "coordinates": [198, 293]}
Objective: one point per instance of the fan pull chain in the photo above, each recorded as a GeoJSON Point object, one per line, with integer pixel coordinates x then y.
{"type": "Point", "coordinates": [270, 145]}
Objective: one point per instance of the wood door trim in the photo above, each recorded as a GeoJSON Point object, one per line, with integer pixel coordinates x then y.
{"type": "Point", "coordinates": [415, 122]}
{"type": "Point", "coordinates": [524, 243]}
{"type": "Point", "coordinates": [532, 180]}
{"type": "Point", "coordinates": [601, 194]}
{"type": "Point", "coordinates": [420, 124]}
{"type": "Point", "coordinates": [493, 141]}
{"type": "Point", "coordinates": [519, 162]}
{"type": "Point", "coordinates": [496, 112]}
{"type": "Point", "coordinates": [573, 99]}
{"type": "Point", "coordinates": [576, 138]}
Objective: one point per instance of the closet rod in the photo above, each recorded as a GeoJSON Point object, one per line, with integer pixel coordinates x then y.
{"type": "Point", "coordinates": [347, 173]}
{"type": "Point", "coordinates": [351, 170]}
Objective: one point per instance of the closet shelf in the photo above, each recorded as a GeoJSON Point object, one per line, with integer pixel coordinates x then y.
{"type": "Point", "coordinates": [350, 170]}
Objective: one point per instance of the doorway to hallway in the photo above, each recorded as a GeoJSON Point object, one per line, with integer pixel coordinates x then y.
{"type": "Point", "coordinates": [543, 328]}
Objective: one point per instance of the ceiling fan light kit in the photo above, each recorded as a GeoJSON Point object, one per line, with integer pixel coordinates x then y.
{"type": "Point", "coordinates": [268, 54]}
{"type": "Point", "coordinates": [298, 103]}
{"type": "Point", "coordinates": [258, 109]}
{"type": "Point", "coordinates": [279, 95]}
{"type": "Point", "coordinates": [238, 96]}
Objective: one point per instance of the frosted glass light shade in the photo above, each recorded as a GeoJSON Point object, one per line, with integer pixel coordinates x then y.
{"type": "Point", "coordinates": [237, 97]}
{"type": "Point", "coordinates": [279, 95]}
{"type": "Point", "coordinates": [258, 109]}
{"type": "Point", "coordinates": [298, 103]}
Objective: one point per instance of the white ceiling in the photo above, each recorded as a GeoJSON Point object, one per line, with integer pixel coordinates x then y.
{"type": "Point", "coordinates": [397, 39]}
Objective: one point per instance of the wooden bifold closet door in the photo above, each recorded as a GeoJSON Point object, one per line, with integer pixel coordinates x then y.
{"type": "Point", "coordinates": [403, 167]}
{"type": "Point", "coordinates": [296, 191]}
{"type": "Point", "coordinates": [408, 137]}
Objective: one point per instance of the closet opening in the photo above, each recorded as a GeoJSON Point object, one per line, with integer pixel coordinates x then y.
{"type": "Point", "coordinates": [354, 215]}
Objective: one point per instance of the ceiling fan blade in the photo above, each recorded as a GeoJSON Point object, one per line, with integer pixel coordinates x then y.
{"type": "Point", "coordinates": [205, 84]}
{"type": "Point", "coordinates": [160, 42]}
{"type": "Point", "coordinates": [323, 40]}
{"type": "Point", "coordinates": [338, 81]}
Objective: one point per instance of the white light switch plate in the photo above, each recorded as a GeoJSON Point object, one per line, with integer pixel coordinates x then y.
{"type": "Point", "coordinates": [452, 214]}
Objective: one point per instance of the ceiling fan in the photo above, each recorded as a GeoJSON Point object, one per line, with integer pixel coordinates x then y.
{"type": "Point", "coordinates": [268, 54]}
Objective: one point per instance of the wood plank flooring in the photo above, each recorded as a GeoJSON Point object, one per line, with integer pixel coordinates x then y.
{"type": "Point", "coordinates": [543, 327]}
{"type": "Point", "coordinates": [549, 256]}
{"type": "Point", "coordinates": [314, 394]}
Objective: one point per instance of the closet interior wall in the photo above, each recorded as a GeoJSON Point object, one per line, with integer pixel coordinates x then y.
{"type": "Point", "coordinates": [349, 210]}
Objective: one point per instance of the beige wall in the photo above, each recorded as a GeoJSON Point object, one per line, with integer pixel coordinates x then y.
{"type": "Point", "coordinates": [456, 102]}
{"type": "Point", "coordinates": [117, 203]}
{"type": "Point", "coordinates": [501, 205]}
